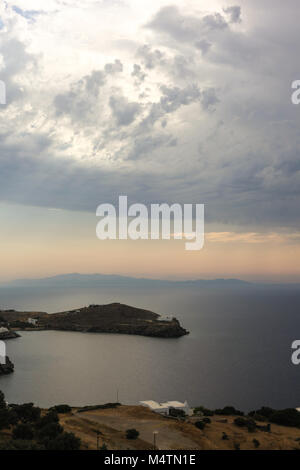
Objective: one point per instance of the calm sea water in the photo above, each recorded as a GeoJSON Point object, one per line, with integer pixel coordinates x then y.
{"type": "Point", "coordinates": [238, 351]}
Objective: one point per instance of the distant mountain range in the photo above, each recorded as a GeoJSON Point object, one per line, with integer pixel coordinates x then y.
{"type": "Point", "coordinates": [92, 280]}
{"type": "Point", "coordinates": [98, 280]}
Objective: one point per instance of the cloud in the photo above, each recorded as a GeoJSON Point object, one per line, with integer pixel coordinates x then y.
{"type": "Point", "coordinates": [123, 111]}
{"type": "Point", "coordinates": [252, 237]}
{"type": "Point", "coordinates": [203, 45]}
{"type": "Point", "coordinates": [138, 74]}
{"type": "Point", "coordinates": [80, 102]}
{"type": "Point", "coordinates": [150, 58]}
{"type": "Point", "coordinates": [170, 21]}
{"type": "Point", "coordinates": [234, 14]}
{"type": "Point", "coordinates": [194, 107]}
{"type": "Point", "coordinates": [29, 15]}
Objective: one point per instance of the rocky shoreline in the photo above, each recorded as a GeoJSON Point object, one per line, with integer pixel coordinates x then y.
{"type": "Point", "coordinates": [10, 334]}
{"type": "Point", "coordinates": [6, 368]}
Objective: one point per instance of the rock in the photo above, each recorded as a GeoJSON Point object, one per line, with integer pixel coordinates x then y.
{"type": "Point", "coordinates": [8, 335]}
{"type": "Point", "coordinates": [6, 368]}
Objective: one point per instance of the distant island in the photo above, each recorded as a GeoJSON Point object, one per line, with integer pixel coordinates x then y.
{"type": "Point", "coordinates": [98, 279]}
{"type": "Point", "coordinates": [111, 318]}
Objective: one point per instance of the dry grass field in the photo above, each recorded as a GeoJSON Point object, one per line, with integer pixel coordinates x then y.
{"type": "Point", "coordinates": [172, 434]}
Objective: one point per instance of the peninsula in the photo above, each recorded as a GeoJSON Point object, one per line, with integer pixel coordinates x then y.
{"type": "Point", "coordinates": [111, 318]}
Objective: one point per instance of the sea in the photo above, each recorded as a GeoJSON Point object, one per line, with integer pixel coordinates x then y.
{"type": "Point", "coordinates": [238, 351]}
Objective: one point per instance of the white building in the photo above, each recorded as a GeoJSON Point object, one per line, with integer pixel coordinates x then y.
{"type": "Point", "coordinates": [32, 321]}
{"type": "Point", "coordinates": [166, 318]}
{"type": "Point", "coordinates": [163, 408]}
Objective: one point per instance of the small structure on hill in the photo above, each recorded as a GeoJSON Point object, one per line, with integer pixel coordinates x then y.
{"type": "Point", "coordinates": [168, 408]}
{"type": "Point", "coordinates": [166, 318]}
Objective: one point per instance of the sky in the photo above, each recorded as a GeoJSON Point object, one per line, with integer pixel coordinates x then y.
{"type": "Point", "coordinates": [162, 101]}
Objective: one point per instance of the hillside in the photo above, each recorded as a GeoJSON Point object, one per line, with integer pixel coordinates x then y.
{"type": "Point", "coordinates": [111, 318]}
{"type": "Point", "coordinates": [172, 433]}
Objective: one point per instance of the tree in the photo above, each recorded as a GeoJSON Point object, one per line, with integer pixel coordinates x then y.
{"type": "Point", "coordinates": [132, 434]}
{"type": "Point", "coordinates": [61, 408]}
{"type": "Point", "coordinates": [23, 431]}
{"type": "Point", "coordinates": [264, 411]}
{"type": "Point", "coordinates": [256, 443]}
{"type": "Point", "coordinates": [200, 424]}
{"type": "Point", "coordinates": [50, 417]}
{"type": "Point", "coordinates": [27, 413]}
{"type": "Point", "coordinates": [2, 401]}
{"type": "Point", "coordinates": [287, 417]}
{"type": "Point", "coordinates": [20, 444]}
{"type": "Point", "coordinates": [65, 441]}
{"type": "Point", "coordinates": [249, 423]}
{"type": "Point", "coordinates": [229, 410]}
{"type": "Point", "coordinates": [50, 431]}
{"type": "Point", "coordinates": [4, 418]}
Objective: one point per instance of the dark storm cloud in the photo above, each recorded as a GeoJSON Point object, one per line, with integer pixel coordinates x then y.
{"type": "Point", "coordinates": [123, 110]}
{"type": "Point", "coordinates": [204, 115]}
{"type": "Point", "coordinates": [169, 20]}
{"type": "Point", "coordinates": [81, 103]}
{"type": "Point", "coordinates": [16, 60]}
{"type": "Point", "coordinates": [234, 14]}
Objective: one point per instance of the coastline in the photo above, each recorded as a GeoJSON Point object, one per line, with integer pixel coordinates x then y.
{"type": "Point", "coordinates": [113, 318]}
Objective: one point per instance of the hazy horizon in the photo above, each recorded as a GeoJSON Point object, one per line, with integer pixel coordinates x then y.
{"type": "Point", "coordinates": [165, 102]}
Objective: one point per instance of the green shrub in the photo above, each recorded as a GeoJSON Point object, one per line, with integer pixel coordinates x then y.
{"type": "Point", "coordinates": [256, 443]}
{"type": "Point", "coordinates": [50, 417]}
{"type": "Point", "coordinates": [264, 411]}
{"type": "Point", "coordinates": [50, 431]}
{"type": "Point", "coordinates": [27, 413]}
{"type": "Point", "coordinates": [287, 417]}
{"type": "Point", "coordinates": [2, 401]}
{"type": "Point", "coordinates": [244, 422]}
{"type": "Point", "coordinates": [176, 413]}
{"type": "Point", "coordinates": [258, 417]}
{"type": "Point", "coordinates": [206, 420]}
{"type": "Point", "coordinates": [4, 418]}
{"type": "Point", "coordinates": [65, 441]}
{"type": "Point", "coordinates": [23, 431]}
{"type": "Point", "coordinates": [200, 425]}
{"type": "Point", "coordinates": [266, 428]}
{"type": "Point", "coordinates": [61, 409]}
{"type": "Point", "coordinates": [228, 411]}
{"type": "Point", "coordinates": [203, 410]}
{"type": "Point", "coordinates": [98, 407]}
{"type": "Point", "coordinates": [132, 434]}
{"type": "Point", "coordinates": [20, 445]}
